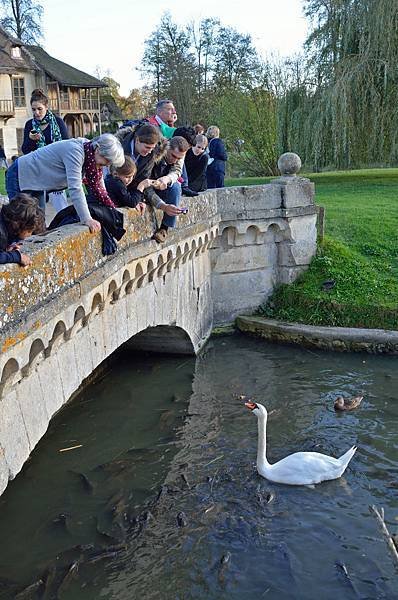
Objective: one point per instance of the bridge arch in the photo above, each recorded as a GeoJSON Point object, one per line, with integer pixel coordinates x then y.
{"type": "Point", "coordinates": [164, 339]}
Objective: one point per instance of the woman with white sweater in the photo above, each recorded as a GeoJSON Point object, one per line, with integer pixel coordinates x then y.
{"type": "Point", "coordinates": [67, 164]}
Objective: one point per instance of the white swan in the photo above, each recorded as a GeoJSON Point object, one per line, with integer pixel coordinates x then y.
{"type": "Point", "coordinates": [300, 468]}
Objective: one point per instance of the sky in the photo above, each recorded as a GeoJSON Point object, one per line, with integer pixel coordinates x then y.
{"type": "Point", "coordinates": [110, 34]}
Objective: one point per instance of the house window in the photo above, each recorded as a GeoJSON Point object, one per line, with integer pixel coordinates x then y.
{"type": "Point", "coordinates": [2, 137]}
{"type": "Point", "coordinates": [19, 91]}
{"type": "Point", "coordinates": [16, 52]}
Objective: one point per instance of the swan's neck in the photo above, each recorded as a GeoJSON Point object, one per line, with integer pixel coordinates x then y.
{"type": "Point", "coordinates": [262, 442]}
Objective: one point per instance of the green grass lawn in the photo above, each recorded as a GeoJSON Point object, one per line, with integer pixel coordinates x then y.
{"type": "Point", "coordinates": [360, 253]}
{"type": "Point", "coordinates": [2, 182]}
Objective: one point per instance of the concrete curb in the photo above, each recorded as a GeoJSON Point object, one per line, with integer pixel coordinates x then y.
{"type": "Point", "coordinates": [341, 339]}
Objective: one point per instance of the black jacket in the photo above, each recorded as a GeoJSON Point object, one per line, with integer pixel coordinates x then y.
{"type": "Point", "coordinates": [6, 256]}
{"type": "Point", "coordinates": [111, 218]}
{"type": "Point", "coordinates": [29, 145]}
{"type": "Point", "coordinates": [196, 170]}
{"type": "Point", "coordinates": [111, 223]}
{"type": "Point", "coordinates": [119, 193]}
{"type": "Point", "coordinates": [219, 155]}
{"type": "Point", "coordinates": [160, 169]}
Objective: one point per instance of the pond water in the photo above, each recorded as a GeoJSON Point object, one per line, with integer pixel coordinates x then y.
{"type": "Point", "coordinates": [161, 499]}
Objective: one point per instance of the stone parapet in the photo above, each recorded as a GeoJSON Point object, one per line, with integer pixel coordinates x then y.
{"type": "Point", "coordinates": [71, 258]}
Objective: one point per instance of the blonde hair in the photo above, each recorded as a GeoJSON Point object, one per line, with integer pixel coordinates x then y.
{"type": "Point", "coordinates": [212, 132]}
{"type": "Point", "coordinates": [201, 139]}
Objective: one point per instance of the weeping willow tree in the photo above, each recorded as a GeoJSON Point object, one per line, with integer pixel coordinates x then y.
{"type": "Point", "coordinates": [345, 114]}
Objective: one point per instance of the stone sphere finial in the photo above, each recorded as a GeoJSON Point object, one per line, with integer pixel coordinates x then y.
{"type": "Point", "coordinates": [289, 163]}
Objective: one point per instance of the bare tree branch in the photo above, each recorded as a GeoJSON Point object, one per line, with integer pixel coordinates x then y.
{"type": "Point", "coordinates": [22, 18]}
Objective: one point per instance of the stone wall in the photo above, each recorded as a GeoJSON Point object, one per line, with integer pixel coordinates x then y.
{"type": "Point", "coordinates": [72, 308]}
{"type": "Point", "coordinates": [267, 236]}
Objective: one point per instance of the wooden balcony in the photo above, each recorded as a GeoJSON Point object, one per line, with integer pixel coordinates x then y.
{"type": "Point", "coordinates": [7, 108]}
{"type": "Point", "coordinates": [89, 103]}
{"type": "Point", "coordinates": [75, 105]}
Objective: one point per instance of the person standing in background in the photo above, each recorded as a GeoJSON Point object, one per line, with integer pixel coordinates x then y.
{"type": "Point", "coordinates": [3, 160]}
{"type": "Point", "coordinates": [196, 164]}
{"type": "Point", "coordinates": [164, 118]}
{"type": "Point", "coordinates": [199, 129]}
{"type": "Point", "coordinates": [44, 128]}
{"type": "Point", "coordinates": [217, 159]}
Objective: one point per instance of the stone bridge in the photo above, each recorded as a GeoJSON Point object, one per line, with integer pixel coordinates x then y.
{"type": "Point", "coordinates": [63, 316]}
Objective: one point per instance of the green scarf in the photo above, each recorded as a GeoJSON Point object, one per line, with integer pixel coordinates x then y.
{"type": "Point", "coordinates": [55, 132]}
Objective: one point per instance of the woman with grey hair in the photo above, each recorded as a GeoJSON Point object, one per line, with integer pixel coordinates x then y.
{"type": "Point", "coordinates": [68, 164]}
{"type": "Point", "coordinates": [110, 148]}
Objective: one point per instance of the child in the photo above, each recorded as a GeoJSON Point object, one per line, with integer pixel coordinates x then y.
{"type": "Point", "coordinates": [19, 219]}
{"type": "Point", "coordinates": [188, 133]}
{"type": "Point", "coordinates": [116, 183]}
{"type": "Point", "coordinates": [196, 164]}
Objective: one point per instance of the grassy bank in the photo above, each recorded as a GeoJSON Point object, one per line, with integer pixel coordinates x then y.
{"type": "Point", "coordinates": [2, 182]}
{"type": "Point", "coordinates": [360, 254]}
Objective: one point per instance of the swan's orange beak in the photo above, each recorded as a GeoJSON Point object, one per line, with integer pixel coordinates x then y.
{"type": "Point", "coordinates": [251, 405]}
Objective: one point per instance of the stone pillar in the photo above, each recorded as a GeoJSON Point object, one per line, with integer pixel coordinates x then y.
{"type": "Point", "coordinates": [298, 208]}
{"type": "Point", "coordinates": [267, 237]}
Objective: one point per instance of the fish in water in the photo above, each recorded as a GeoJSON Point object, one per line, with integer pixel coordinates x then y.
{"type": "Point", "coordinates": [347, 403]}
{"type": "Point", "coordinates": [182, 520]}
{"type": "Point", "coordinates": [31, 591]}
{"type": "Point", "coordinates": [223, 566]}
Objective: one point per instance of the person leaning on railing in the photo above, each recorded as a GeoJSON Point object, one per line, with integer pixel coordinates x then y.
{"type": "Point", "coordinates": [63, 165]}
{"type": "Point", "coordinates": [18, 220]}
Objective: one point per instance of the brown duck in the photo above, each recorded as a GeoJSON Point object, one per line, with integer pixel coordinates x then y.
{"type": "Point", "coordinates": [347, 403]}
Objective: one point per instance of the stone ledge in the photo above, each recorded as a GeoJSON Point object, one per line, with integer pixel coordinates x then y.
{"type": "Point", "coordinates": [70, 254]}
{"type": "Point", "coordinates": [143, 261]}
{"type": "Point", "coordinates": [341, 339]}
{"type": "Point", "coordinates": [67, 262]}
